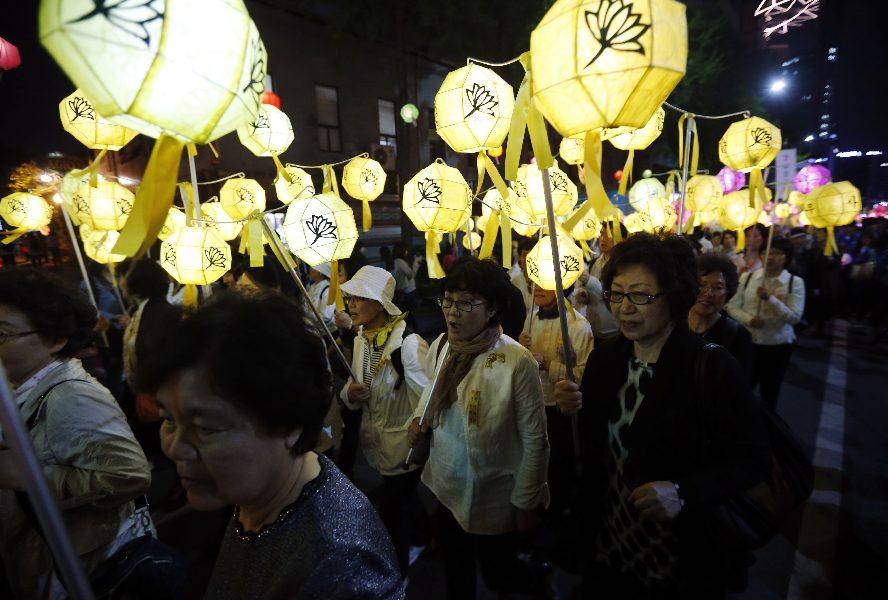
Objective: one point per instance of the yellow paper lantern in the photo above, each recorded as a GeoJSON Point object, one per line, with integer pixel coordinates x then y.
{"type": "Point", "coordinates": [832, 205]}
{"type": "Point", "coordinates": [473, 109]}
{"type": "Point", "coordinates": [25, 211]}
{"type": "Point", "coordinates": [106, 206]}
{"type": "Point", "coordinates": [269, 134]}
{"type": "Point", "coordinates": [320, 229]}
{"type": "Point", "coordinates": [645, 191]}
{"type": "Point", "coordinates": [704, 218]}
{"type": "Point", "coordinates": [634, 222]}
{"type": "Point", "coordinates": [524, 224]}
{"type": "Point", "coordinates": [749, 144]}
{"type": "Point", "coordinates": [572, 150]}
{"type": "Point", "coordinates": [704, 193]}
{"type": "Point", "coordinates": [734, 211]}
{"type": "Point", "coordinates": [796, 198]}
{"type": "Point", "coordinates": [657, 215]}
{"type": "Point", "coordinates": [587, 228]}
{"type": "Point", "coordinates": [71, 184]}
{"type": "Point", "coordinates": [363, 178]}
{"type": "Point", "coordinates": [214, 216]}
{"type": "Point", "coordinates": [195, 255]}
{"type": "Point", "coordinates": [80, 119]}
{"type": "Point", "coordinates": [606, 63]}
{"type": "Point", "coordinates": [97, 245]}
{"type": "Point", "coordinates": [531, 197]}
{"type": "Point", "coordinates": [175, 220]}
{"type": "Point", "coordinates": [194, 69]}
{"type": "Point", "coordinates": [493, 200]}
{"type": "Point", "coordinates": [437, 199]}
{"type": "Point", "coordinates": [471, 241]}
{"type": "Point", "coordinates": [641, 138]}
{"type": "Point", "coordinates": [540, 267]}
{"type": "Point", "coordinates": [241, 197]}
{"type": "Point", "coordinates": [782, 211]}
{"type": "Point", "coordinates": [300, 185]}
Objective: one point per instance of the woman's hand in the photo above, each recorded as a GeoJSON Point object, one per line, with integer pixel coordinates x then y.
{"type": "Point", "coordinates": [416, 433]}
{"type": "Point", "coordinates": [524, 339]}
{"type": "Point", "coordinates": [542, 363]}
{"type": "Point", "coordinates": [763, 293]}
{"type": "Point", "coordinates": [358, 392]}
{"type": "Point", "coordinates": [342, 320]}
{"type": "Point", "coordinates": [657, 500]}
{"type": "Point", "coordinates": [756, 322]}
{"type": "Point", "coordinates": [568, 397]}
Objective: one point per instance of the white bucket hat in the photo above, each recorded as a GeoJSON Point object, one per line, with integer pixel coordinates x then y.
{"type": "Point", "coordinates": [323, 269]}
{"type": "Point", "coordinates": [373, 283]}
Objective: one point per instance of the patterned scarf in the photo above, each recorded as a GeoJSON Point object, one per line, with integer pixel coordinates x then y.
{"type": "Point", "coordinates": [459, 361]}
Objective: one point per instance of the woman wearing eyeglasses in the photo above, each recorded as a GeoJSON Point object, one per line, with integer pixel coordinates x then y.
{"type": "Point", "coordinates": [664, 442]}
{"type": "Point", "coordinates": [487, 428]}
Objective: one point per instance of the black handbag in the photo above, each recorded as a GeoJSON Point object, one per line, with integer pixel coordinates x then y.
{"type": "Point", "coordinates": [751, 520]}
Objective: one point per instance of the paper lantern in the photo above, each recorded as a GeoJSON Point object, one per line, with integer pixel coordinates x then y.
{"type": "Point", "coordinates": [98, 245]}
{"type": "Point", "coordinates": [473, 109]}
{"type": "Point", "coordinates": [363, 178]}
{"type": "Point", "coordinates": [749, 144]}
{"type": "Point", "coordinates": [193, 69]}
{"type": "Point", "coordinates": [833, 205]}
{"type": "Point", "coordinates": [437, 199]}
{"type": "Point", "coordinates": [704, 193]}
{"type": "Point", "coordinates": [91, 129]}
{"type": "Point", "coordinates": [175, 220]}
{"type": "Point", "coordinates": [320, 229]}
{"type": "Point", "coordinates": [240, 197]}
{"type": "Point", "coordinates": [658, 215]}
{"type": "Point", "coordinates": [734, 211]}
{"type": "Point", "coordinates": [300, 185]}
{"type": "Point", "coordinates": [269, 97]}
{"type": "Point", "coordinates": [644, 191]}
{"type": "Point", "coordinates": [731, 180]}
{"type": "Point", "coordinates": [269, 134]}
{"type": "Point", "coordinates": [25, 211]}
{"type": "Point", "coordinates": [531, 197]}
{"type": "Point", "coordinates": [634, 222]}
{"type": "Point", "coordinates": [214, 216]}
{"type": "Point", "coordinates": [541, 269]}
{"type": "Point", "coordinates": [107, 206]}
{"type": "Point", "coordinates": [606, 63]}
{"type": "Point", "coordinates": [796, 198]}
{"type": "Point", "coordinates": [195, 255]}
{"type": "Point", "coordinates": [9, 56]}
{"type": "Point", "coordinates": [471, 241]}
{"type": "Point", "coordinates": [587, 228]}
{"type": "Point", "coordinates": [572, 150]}
{"type": "Point", "coordinates": [810, 177]}
{"type": "Point", "coordinates": [71, 184]}
{"type": "Point", "coordinates": [641, 138]}
{"type": "Point", "coordinates": [782, 211]}
{"type": "Point", "coordinates": [409, 112]}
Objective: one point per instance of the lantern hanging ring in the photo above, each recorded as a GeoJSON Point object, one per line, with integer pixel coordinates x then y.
{"type": "Point", "coordinates": [471, 60]}
{"type": "Point", "coordinates": [240, 174]}
{"type": "Point", "coordinates": [743, 113]}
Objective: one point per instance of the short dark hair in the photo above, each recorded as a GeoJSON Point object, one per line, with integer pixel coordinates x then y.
{"type": "Point", "coordinates": [784, 245]}
{"type": "Point", "coordinates": [763, 231]}
{"type": "Point", "coordinates": [147, 279]}
{"type": "Point", "coordinates": [525, 244]}
{"type": "Point", "coordinates": [669, 258]}
{"type": "Point", "coordinates": [257, 352]}
{"type": "Point", "coordinates": [54, 307]}
{"type": "Point", "coordinates": [483, 277]}
{"type": "Point", "coordinates": [710, 263]}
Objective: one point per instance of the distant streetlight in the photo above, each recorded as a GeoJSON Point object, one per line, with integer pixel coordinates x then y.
{"type": "Point", "coordinates": [810, 138]}
{"type": "Point", "coordinates": [777, 86]}
{"type": "Point", "coordinates": [409, 112]}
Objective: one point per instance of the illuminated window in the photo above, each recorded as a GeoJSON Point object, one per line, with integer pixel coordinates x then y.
{"type": "Point", "coordinates": [327, 99]}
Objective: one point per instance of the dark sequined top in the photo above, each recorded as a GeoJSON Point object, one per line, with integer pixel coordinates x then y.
{"type": "Point", "coordinates": [328, 544]}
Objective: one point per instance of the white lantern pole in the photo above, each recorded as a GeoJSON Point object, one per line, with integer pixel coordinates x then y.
{"type": "Point", "coordinates": [280, 251]}
{"type": "Point", "coordinates": [425, 411]}
{"type": "Point", "coordinates": [562, 309]}
{"type": "Point", "coordinates": [65, 559]}
{"type": "Point", "coordinates": [685, 168]}
{"type": "Point", "coordinates": [532, 292]}
{"type": "Point", "coordinates": [76, 246]}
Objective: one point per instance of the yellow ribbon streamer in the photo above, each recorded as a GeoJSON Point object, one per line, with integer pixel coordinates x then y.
{"type": "Point", "coordinates": [93, 168]}
{"type": "Point", "coordinates": [489, 234]}
{"type": "Point", "coordinates": [433, 244]}
{"type": "Point", "coordinates": [251, 239]}
{"type": "Point", "coordinates": [153, 198]}
{"type": "Point", "coordinates": [831, 245]}
{"type": "Point", "coordinates": [497, 218]}
{"type": "Point", "coordinates": [213, 149]}
{"type": "Point", "coordinates": [526, 117]}
{"type": "Point", "coordinates": [596, 197]}
{"type": "Point", "coordinates": [189, 299]}
{"type": "Point", "coordinates": [741, 240]}
{"type": "Point", "coordinates": [15, 234]}
{"type": "Point", "coordinates": [756, 186]}
{"type": "Point", "coordinates": [282, 172]}
{"type": "Point", "coordinates": [587, 251]}
{"type": "Point", "coordinates": [366, 216]}
{"type": "Point", "coordinates": [334, 295]}
{"type": "Point", "coordinates": [627, 173]}
{"type": "Point", "coordinates": [330, 184]}
{"type": "Point", "coordinates": [695, 143]}
{"type": "Point", "coordinates": [506, 229]}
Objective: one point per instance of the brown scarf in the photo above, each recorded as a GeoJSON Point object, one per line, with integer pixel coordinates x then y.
{"type": "Point", "coordinates": [459, 361]}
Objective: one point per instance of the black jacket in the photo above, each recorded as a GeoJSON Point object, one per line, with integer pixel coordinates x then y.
{"type": "Point", "coordinates": [735, 338]}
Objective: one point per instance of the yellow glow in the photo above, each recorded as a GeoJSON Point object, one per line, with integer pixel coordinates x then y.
{"type": "Point", "coordinates": [749, 144]}
{"type": "Point", "coordinates": [796, 198]}
{"type": "Point", "coordinates": [531, 197]}
{"type": "Point", "coordinates": [80, 119]}
{"type": "Point", "coordinates": [195, 255]}
{"type": "Point", "coordinates": [657, 215]}
{"type": "Point", "coordinates": [606, 63]}
{"type": "Point", "coordinates": [704, 193]}
{"type": "Point", "coordinates": [24, 210]}
{"type": "Point", "coordinates": [320, 229]}
{"type": "Point", "coordinates": [645, 191]}
{"type": "Point", "coordinates": [98, 244]}
{"type": "Point", "coordinates": [833, 204]}
{"type": "Point", "coordinates": [438, 199]}
{"type": "Point", "coordinates": [587, 228]}
{"type": "Point", "coordinates": [782, 211]}
{"type": "Point", "coordinates": [641, 138]}
{"type": "Point", "coordinates": [473, 109]}
{"type": "Point", "coordinates": [106, 206]}
{"type": "Point", "coordinates": [572, 150]}
{"type": "Point", "coordinates": [175, 219]}
{"type": "Point", "coordinates": [299, 186]}
{"type": "Point", "coordinates": [541, 269]}
{"type": "Point", "coordinates": [734, 211]}
{"type": "Point", "coordinates": [270, 133]}
{"type": "Point", "coordinates": [471, 241]}
{"type": "Point", "coordinates": [240, 197]}
{"type": "Point", "coordinates": [363, 178]}
{"type": "Point", "coordinates": [213, 215]}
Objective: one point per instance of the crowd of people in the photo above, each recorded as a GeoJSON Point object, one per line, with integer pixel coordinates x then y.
{"type": "Point", "coordinates": [605, 455]}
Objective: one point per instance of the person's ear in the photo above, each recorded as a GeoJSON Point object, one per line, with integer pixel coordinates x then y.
{"type": "Point", "coordinates": [56, 346]}
{"type": "Point", "coordinates": [292, 438]}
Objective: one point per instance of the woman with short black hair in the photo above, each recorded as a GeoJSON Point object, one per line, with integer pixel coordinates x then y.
{"type": "Point", "coordinates": [243, 390]}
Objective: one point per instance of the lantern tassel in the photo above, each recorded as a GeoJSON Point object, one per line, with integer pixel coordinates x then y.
{"type": "Point", "coordinates": [489, 234]}
{"type": "Point", "coordinates": [433, 243]}
{"type": "Point", "coordinates": [153, 199]}
{"type": "Point", "coordinates": [251, 240]}
{"type": "Point", "coordinates": [756, 186]}
{"type": "Point", "coordinates": [189, 299]}
{"type": "Point", "coordinates": [282, 172]}
{"type": "Point", "coordinates": [506, 229]}
{"type": "Point", "coordinates": [366, 216]}
{"type": "Point", "coordinates": [330, 184]}
{"type": "Point", "coordinates": [831, 246]}
{"type": "Point", "coordinates": [505, 224]}
{"type": "Point", "coordinates": [627, 173]}
{"type": "Point", "coordinates": [587, 251]}
{"type": "Point", "coordinates": [741, 240]}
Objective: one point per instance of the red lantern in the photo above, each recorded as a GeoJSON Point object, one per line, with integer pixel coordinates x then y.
{"type": "Point", "coordinates": [269, 97]}
{"type": "Point", "coordinates": [618, 174]}
{"type": "Point", "coordinates": [9, 56]}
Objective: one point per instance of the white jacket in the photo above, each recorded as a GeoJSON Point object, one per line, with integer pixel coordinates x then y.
{"type": "Point", "coordinates": [388, 413]}
{"type": "Point", "coordinates": [318, 292]}
{"type": "Point", "coordinates": [780, 312]}
{"type": "Point", "coordinates": [546, 339]}
{"type": "Point", "coordinates": [489, 454]}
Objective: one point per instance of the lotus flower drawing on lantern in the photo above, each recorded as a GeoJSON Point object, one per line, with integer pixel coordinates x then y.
{"type": "Point", "coordinates": [614, 26]}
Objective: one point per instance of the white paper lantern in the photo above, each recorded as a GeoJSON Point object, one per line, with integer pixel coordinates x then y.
{"type": "Point", "coordinates": [195, 255]}
{"type": "Point", "coordinates": [531, 197]}
{"type": "Point", "coordinates": [269, 134]}
{"type": "Point", "coordinates": [320, 229]}
{"type": "Point", "coordinates": [541, 269]}
{"type": "Point", "coordinates": [438, 199]}
{"type": "Point", "coordinates": [473, 109]}
{"type": "Point", "coordinates": [300, 185]}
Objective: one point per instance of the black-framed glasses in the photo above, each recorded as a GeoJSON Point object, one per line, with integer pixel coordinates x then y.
{"type": "Point", "coordinates": [353, 299]}
{"type": "Point", "coordinates": [4, 337]}
{"type": "Point", "coordinates": [637, 298]}
{"type": "Point", "coordinates": [715, 290]}
{"type": "Point", "coordinates": [463, 306]}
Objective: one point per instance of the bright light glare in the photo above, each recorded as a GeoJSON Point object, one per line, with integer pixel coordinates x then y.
{"type": "Point", "coordinates": [45, 178]}
{"type": "Point", "coordinates": [125, 181]}
{"type": "Point", "coordinates": [778, 86]}
{"type": "Point", "coordinates": [810, 138]}
{"type": "Point", "coordinates": [57, 198]}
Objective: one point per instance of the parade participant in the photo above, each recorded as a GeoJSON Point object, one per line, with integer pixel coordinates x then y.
{"type": "Point", "coordinates": [240, 427]}
{"type": "Point", "coordinates": [751, 256]}
{"type": "Point", "coordinates": [520, 279]}
{"type": "Point", "coordinates": [405, 277]}
{"type": "Point", "coordinates": [487, 428]}
{"type": "Point", "coordinates": [769, 303]}
{"type": "Point", "coordinates": [318, 293]}
{"type": "Point", "coordinates": [662, 445]}
{"type": "Point", "coordinates": [92, 463]}
{"type": "Point", "coordinates": [389, 362]}
{"type": "Point", "coordinates": [717, 285]}
{"type": "Point", "coordinates": [545, 343]}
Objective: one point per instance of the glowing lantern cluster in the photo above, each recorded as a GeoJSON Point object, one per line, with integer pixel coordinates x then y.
{"type": "Point", "coordinates": [91, 129]}
{"type": "Point", "coordinates": [572, 150]}
{"type": "Point", "coordinates": [106, 206]}
{"type": "Point", "coordinates": [71, 184]}
{"type": "Point", "coordinates": [473, 109]}
{"type": "Point", "coordinates": [704, 193]}
{"type": "Point", "coordinates": [810, 177]}
{"type": "Point", "coordinates": [194, 69]}
{"type": "Point", "coordinates": [240, 197]}
{"type": "Point", "coordinates": [175, 219]}
{"type": "Point", "coordinates": [832, 205]}
{"type": "Point", "coordinates": [98, 245]}
{"type": "Point", "coordinates": [645, 191]}
{"type": "Point", "coordinates": [606, 63]}
{"type": "Point", "coordinates": [531, 196]}
{"type": "Point", "coordinates": [320, 229]}
{"type": "Point", "coordinates": [438, 199]}
{"type": "Point", "coordinates": [25, 211]}
{"type": "Point", "coordinates": [213, 215]}
{"type": "Point", "coordinates": [269, 134]}
{"type": "Point", "coordinates": [195, 255]}
{"type": "Point", "coordinates": [657, 215]}
{"type": "Point", "coordinates": [300, 185]}
{"type": "Point", "coordinates": [541, 268]}
{"type": "Point", "coordinates": [749, 144]}
{"type": "Point", "coordinates": [731, 180]}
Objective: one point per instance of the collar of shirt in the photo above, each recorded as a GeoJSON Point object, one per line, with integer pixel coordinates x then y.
{"type": "Point", "coordinates": [21, 392]}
